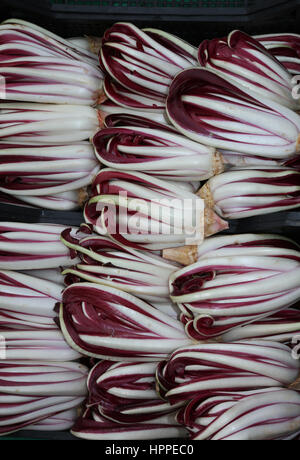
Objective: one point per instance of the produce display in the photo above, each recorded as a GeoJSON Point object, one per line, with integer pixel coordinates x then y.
{"type": "Point", "coordinates": [152, 319]}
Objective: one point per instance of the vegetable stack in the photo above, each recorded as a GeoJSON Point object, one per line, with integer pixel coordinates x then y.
{"type": "Point", "coordinates": [42, 384]}
{"type": "Point", "coordinates": [181, 332]}
{"type": "Point", "coordinates": [53, 87]}
{"type": "Point", "coordinates": [232, 125]}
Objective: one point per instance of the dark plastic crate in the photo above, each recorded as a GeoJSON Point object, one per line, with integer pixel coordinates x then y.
{"type": "Point", "coordinates": [163, 10]}
{"type": "Point", "coordinates": [77, 17]}
{"type": "Point", "coordinates": [283, 223]}
{"type": "Point", "coordinates": [216, 18]}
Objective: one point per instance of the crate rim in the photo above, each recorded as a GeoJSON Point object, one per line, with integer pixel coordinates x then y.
{"type": "Point", "coordinates": [68, 11]}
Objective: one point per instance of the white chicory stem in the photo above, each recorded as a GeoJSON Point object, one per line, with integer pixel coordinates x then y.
{"type": "Point", "coordinates": [47, 123]}
{"type": "Point", "coordinates": [37, 345]}
{"type": "Point", "coordinates": [234, 159]}
{"type": "Point", "coordinates": [63, 421]}
{"type": "Point", "coordinates": [109, 107]}
{"type": "Point", "coordinates": [33, 247]}
{"type": "Point", "coordinates": [88, 43]}
{"type": "Point", "coordinates": [50, 274]}
{"type": "Point", "coordinates": [31, 170]}
{"type": "Point", "coordinates": [283, 327]}
{"type": "Point", "coordinates": [42, 378]}
{"type": "Point", "coordinates": [66, 201]}
{"type": "Point", "coordinates": [27, 302]}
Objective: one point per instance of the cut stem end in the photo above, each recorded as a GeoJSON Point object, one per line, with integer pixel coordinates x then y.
{"type": "Point", "coordinates": [186, 255]}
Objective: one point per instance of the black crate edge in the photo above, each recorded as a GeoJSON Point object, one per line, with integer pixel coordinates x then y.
{"type": "Point", "coordinates": [254, 9]}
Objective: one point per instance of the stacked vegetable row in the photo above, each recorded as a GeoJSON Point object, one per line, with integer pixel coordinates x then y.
{"type": "Point", "coordinates": [237, 302]}
{"type": "Point", "coordinates": [42, 382]}
{"type": "Point", "coordinates": [181, 350]}
{"type": "Point", "coordinates": [51, 87]}
{"type": "Point", "coordinates": [204, 350]}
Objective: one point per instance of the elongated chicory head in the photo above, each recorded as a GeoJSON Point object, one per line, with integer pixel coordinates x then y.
{"type": "Point", "coordinates": [237, 279]}
{"type": "Point", "coordinates": [215, 111]}
{"type": "Point", "coordinates": [105, 323]}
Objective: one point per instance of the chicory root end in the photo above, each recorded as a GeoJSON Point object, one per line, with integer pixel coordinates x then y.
{"type": "Point", "coordinates": [186, 255]}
